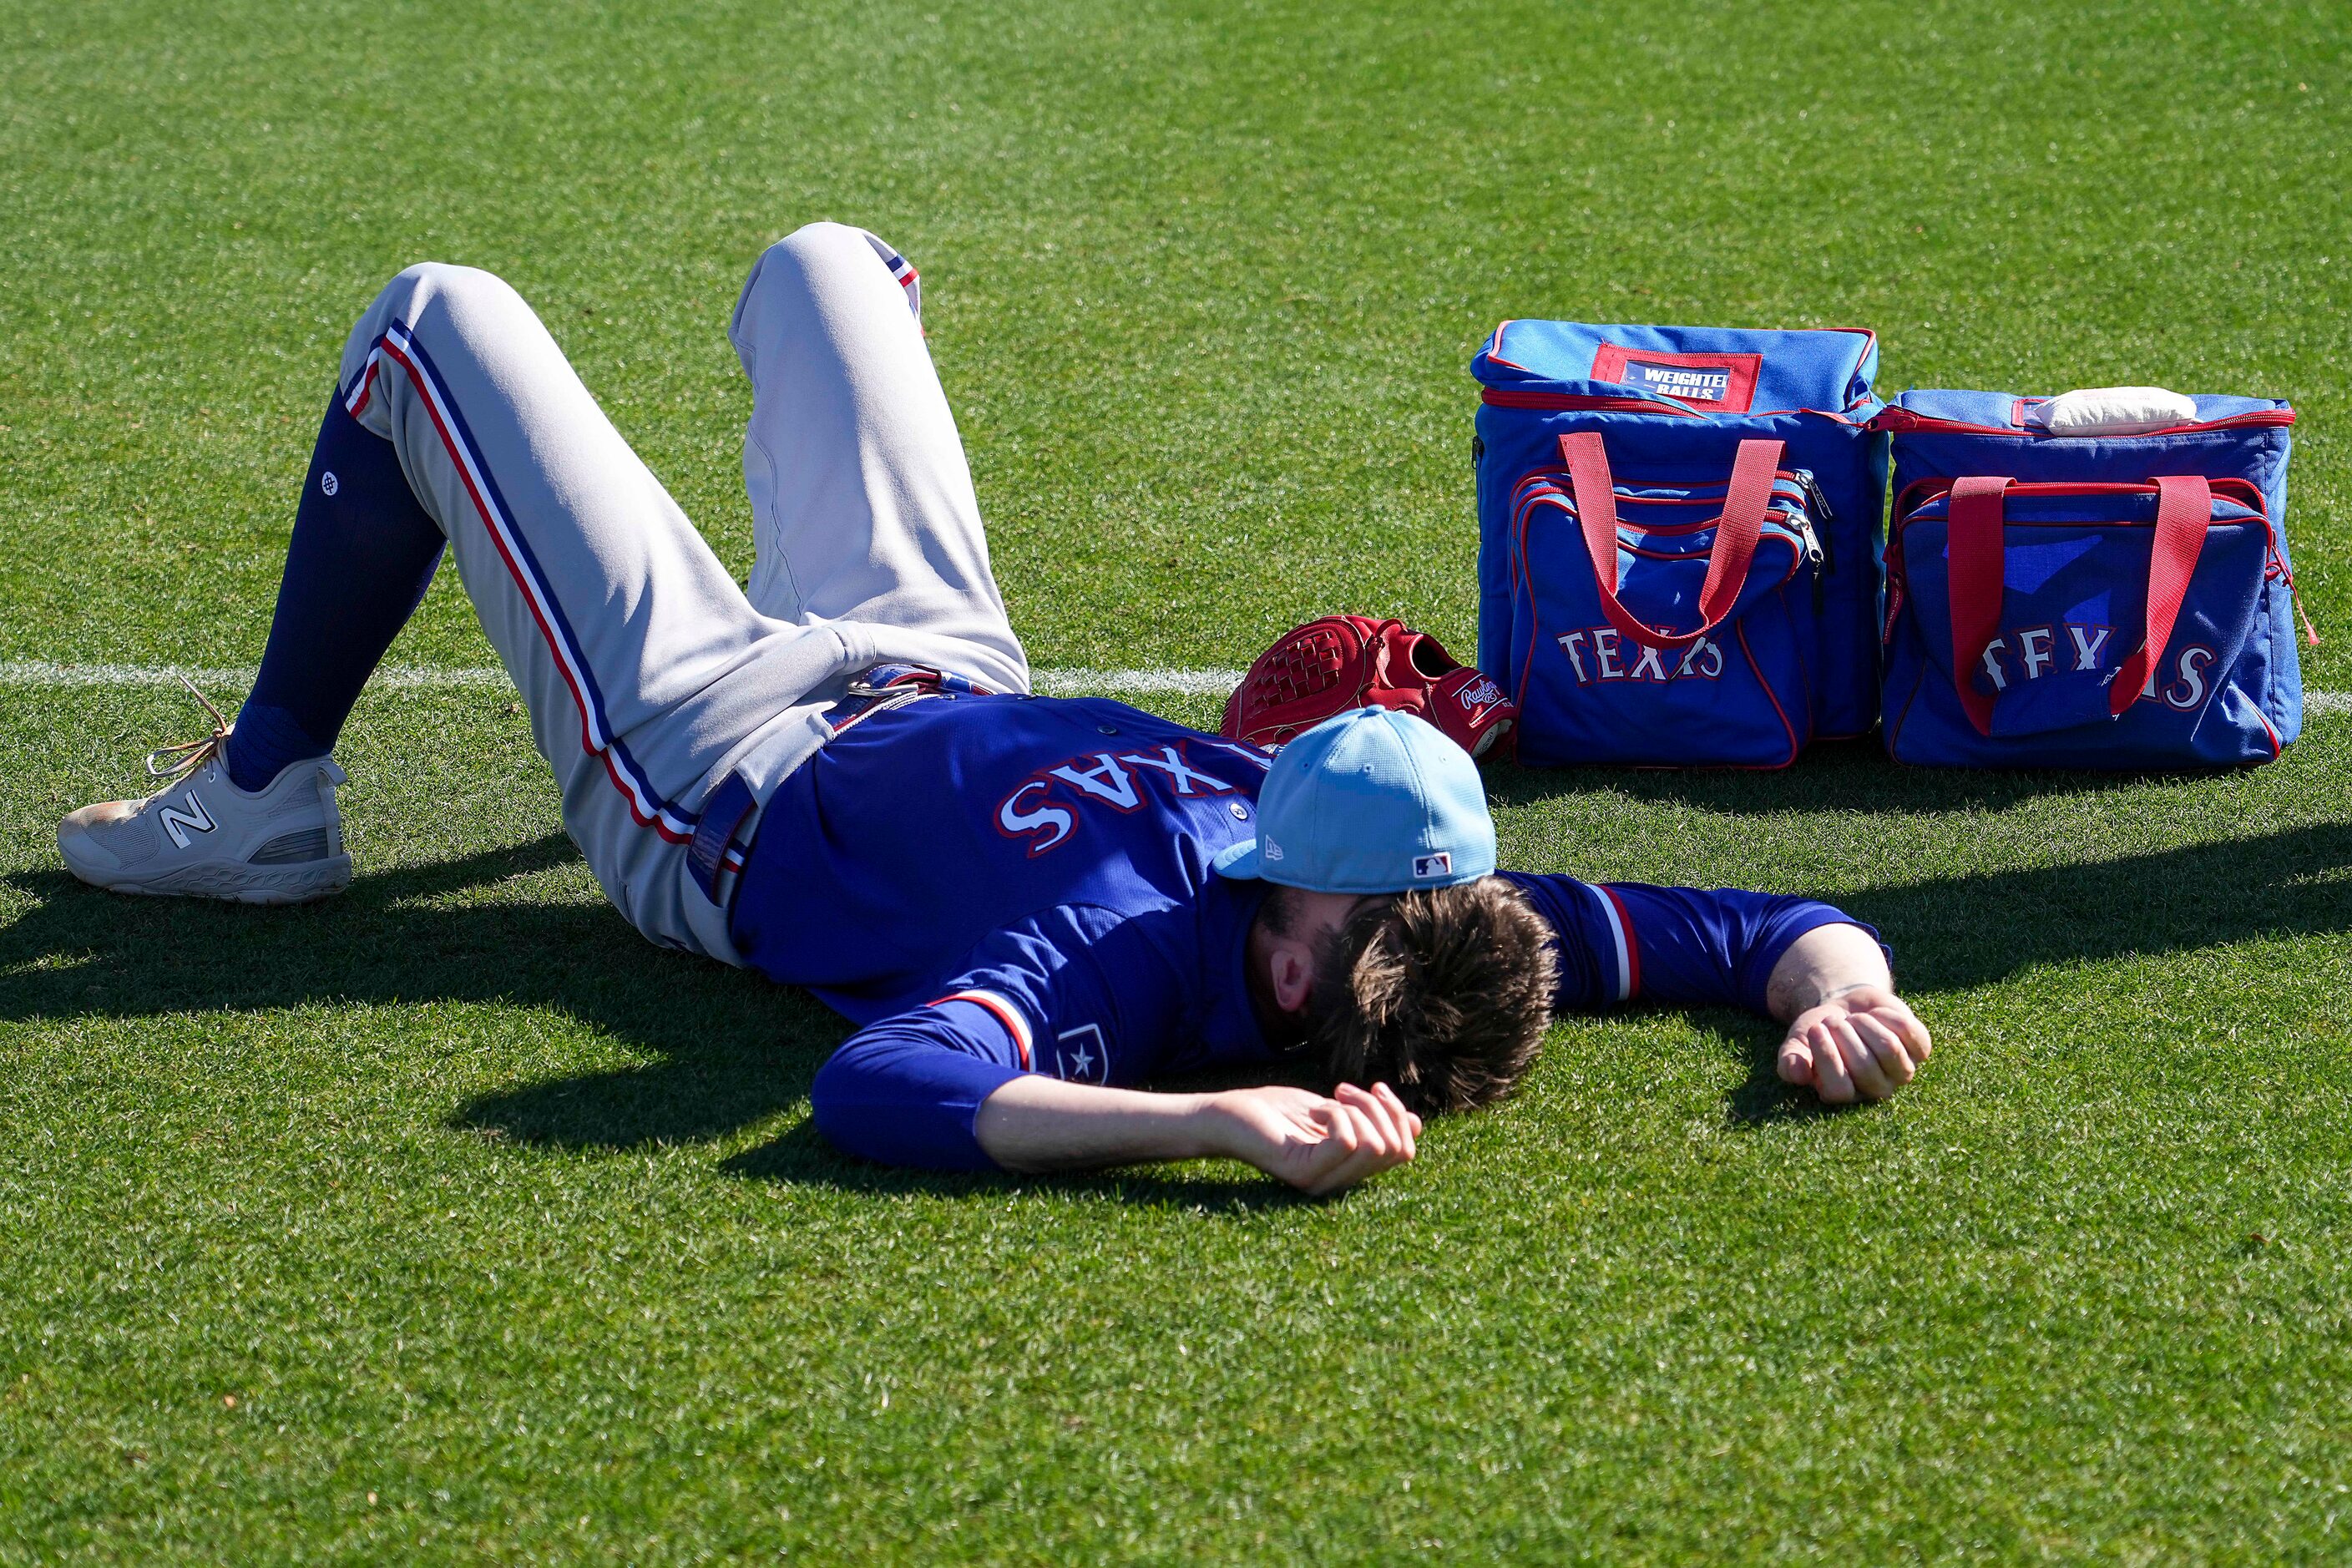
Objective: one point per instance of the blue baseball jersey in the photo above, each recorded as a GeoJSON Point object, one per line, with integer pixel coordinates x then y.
{"type": "Point", "coordinates": [999, 885]}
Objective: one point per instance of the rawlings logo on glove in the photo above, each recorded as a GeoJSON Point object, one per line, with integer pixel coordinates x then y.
{"type": "Point", "coordinates": [1341, 662]}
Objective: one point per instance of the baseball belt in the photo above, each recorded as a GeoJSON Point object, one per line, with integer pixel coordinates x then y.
{"type": "Point", "coordinates": [729, 815]}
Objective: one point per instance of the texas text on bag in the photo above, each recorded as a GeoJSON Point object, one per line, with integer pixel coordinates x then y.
{"type": "Point", "coordinates": [1678, 540]}
{"type": "Point", "coordinates": [2114, 600]}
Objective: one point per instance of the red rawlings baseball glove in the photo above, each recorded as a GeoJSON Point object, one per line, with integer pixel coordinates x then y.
{"type": "Point", "coordinates": [1340, 662]}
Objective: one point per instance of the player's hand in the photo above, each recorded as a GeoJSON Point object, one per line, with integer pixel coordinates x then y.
{"type": "Point", "coordinates": [1864, 1042]}
{"type": "Point", "coordinates": [1318, 1144]}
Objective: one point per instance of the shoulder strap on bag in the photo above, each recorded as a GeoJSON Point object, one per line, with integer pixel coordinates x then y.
{"type": "Point", "coordinates": [1745, 501]}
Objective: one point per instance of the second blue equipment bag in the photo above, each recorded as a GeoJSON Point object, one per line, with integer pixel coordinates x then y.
{"type": "Point", "coordinates": [2118, 597]}
{"type": "Point", "coordinates": [1678, 540]}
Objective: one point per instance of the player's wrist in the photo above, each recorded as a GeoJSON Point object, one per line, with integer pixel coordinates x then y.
{"type": "Point", "coordinates": [1216, 1124]}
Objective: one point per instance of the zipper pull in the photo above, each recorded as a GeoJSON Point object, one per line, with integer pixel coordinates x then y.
{"type": "Point", "coordinates": [2277, 568]}
{"type": "Point", "coordinates": [1815, 502]}
{"type": "Point", "coordinates": [2309, 631]}
{"type": "Point", "coordinates": [1816, 550]}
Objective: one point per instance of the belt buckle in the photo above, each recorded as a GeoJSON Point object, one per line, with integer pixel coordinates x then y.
{"type": "Point", "coordinates": [880, 688]}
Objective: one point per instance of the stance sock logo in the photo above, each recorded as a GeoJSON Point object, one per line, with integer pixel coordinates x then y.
{"type": "Point", "coordinates": [180, 823]}
{"type": "Point", "coordinates": [328, 483]}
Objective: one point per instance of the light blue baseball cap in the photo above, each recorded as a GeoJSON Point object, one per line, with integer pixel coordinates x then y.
{"type": "Point", "coordinates": [1370, 801]}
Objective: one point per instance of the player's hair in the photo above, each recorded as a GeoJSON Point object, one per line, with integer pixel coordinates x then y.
{"type": "Point", "coordinates": [1443, 994]}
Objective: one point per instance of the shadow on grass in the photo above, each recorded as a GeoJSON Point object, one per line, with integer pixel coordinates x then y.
{"type": "Point", "coordinates": [1761, 1098]}
{"type": "Point", "coordinates": [1959, 932]}
{"type": "Point", "coordinates": [1836, 775]}
{"type": "Point", "coordinates": [735, 1049]}
{"type": "Point", "coordinates": [801, 1157]}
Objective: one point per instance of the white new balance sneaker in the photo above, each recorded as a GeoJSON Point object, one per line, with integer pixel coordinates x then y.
{"type": "Point", "coordinates": [200, 837]}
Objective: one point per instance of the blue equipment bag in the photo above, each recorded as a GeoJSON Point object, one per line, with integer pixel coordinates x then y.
{"type": "Point", "coordinates": [1786, 652]}
{"type": "Point", "coordinates": [1676, 618]}
{"type": "Point", "coordinates": [2090, 601]}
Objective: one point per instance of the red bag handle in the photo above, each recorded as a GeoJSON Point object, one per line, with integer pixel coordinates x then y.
{"type": "Point", "coordinates": [1973, 540]}
{"type": "Point", "coordinates": [2184, 510]}
{"type": "Point", "coordinates": [1745, 501]}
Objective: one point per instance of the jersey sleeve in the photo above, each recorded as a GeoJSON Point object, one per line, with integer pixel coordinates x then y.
{"type": "Point", "coordinates": [1623, 941]}
{"type": "Point", "coordinates": [1073, 993]}
{"type": "Point", "coordinates": [905, 1090]}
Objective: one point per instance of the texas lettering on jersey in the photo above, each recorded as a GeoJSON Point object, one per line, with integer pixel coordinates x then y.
{"type": "Point", "coordinates": [1049, 805]}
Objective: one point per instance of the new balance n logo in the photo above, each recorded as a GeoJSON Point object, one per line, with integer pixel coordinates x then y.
{"type": "Point", "coordinates": [180, 823]}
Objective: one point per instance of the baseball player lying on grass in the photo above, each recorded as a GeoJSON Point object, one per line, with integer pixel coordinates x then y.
{"type": "Point", "coordinates": [835, 776]}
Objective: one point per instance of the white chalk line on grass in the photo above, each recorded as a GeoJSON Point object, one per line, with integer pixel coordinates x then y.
{"type": "Point", "coordinates": [1081, 682]}
{"type": "Point", "coordinates": [42, 672]}
{"type": "Point", "coordinates": [1076, 681]}
{"type": "Point", "coordinates": [1071, 681]}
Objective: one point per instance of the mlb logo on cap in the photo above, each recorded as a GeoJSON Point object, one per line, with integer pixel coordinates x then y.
{"type": "Point", "coordinates": [1426, 866]}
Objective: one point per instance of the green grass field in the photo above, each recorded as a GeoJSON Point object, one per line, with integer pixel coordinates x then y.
{"type": "Point", "coordinates": [450, 1221]}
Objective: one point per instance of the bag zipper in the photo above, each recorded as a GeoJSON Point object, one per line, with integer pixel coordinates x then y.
{"type": "Point", "coordinates": [1811, 546]}
{"type": "Point", "coordinates": [1795, 555]}
{"type": "Point", "coordinates": [1817, 507]}
{"type": "Point", "coordinates": [1678, 529]}
{"type": "Point", "coordinates": [1780, 512]}
{"type": "Point", "coordinates": [1903, 420]}
{"type": "Point", "coordinates": [1505, 397]}
{"type": "Point", "coordinates": [2274, 566]}
{"type": "Point", "coordinates": [1779, 517]}
{"type": "Point", "coordinates": [2230, 489]}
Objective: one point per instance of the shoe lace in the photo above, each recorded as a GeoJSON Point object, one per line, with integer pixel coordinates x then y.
{"type": "Point", "coordinates": [174, 762]}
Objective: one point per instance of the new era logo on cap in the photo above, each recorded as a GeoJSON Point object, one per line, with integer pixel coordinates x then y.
{"type": "Point", "coordinates": [1424, 866]}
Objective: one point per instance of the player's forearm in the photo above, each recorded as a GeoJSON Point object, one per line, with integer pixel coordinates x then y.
{"type": "Point", "coordinates": [1039, 1123]}
{"type": "Point", "coordinates": [1822, 964]}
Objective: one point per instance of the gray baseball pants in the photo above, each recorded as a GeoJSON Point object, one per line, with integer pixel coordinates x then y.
{"type": "Point", "coordinates": [650, 676]}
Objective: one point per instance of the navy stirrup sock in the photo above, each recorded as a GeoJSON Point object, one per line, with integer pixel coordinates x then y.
{"type": "Point", "coordinates": [362, 554]}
